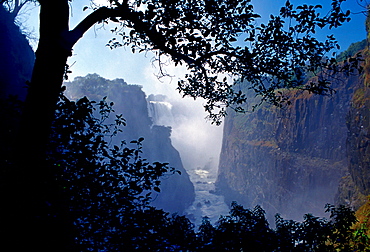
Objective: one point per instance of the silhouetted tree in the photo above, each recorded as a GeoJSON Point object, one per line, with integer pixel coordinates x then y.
{"type": "Point", "coordinates": [244, 230]}
{"type": "Point", "coordinates": [248, 230]}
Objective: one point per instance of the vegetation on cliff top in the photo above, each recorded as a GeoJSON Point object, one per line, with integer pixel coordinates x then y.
{"type": "Point", "coordinates": [352, 50]}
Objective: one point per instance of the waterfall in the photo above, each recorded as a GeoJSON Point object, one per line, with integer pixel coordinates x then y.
{"type": "Point", "coordinates": [161, 113]}
{"type": "Point", "coordinates": [196, 141]}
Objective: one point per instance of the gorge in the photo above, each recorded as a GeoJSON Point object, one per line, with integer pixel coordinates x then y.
{"type": "Point", "coordinates": [162, 122]}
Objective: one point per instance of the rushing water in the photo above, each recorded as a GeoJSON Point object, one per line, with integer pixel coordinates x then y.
{"type": "Point", "coordinates": [161, 112]}
{"type": "Point", "coordinates": [206, 202]}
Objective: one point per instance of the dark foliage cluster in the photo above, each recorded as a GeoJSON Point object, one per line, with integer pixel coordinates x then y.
{"type": "Point", "coordinates": [108, 185]}
{"type": "Point", "coordinates": [95, 87]}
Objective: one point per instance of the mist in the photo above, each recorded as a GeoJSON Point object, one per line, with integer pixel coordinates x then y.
{"type": "Point", "coordinates": [199, 144]}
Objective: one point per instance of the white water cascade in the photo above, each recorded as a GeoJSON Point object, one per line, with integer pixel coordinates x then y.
{"type": "Point", "coordinates": [199, 146]}
{"type": "Point", "coordinates": [161, 113]}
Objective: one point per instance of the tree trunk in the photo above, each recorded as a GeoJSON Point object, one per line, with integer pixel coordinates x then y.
{"type": "Point", "coordinates": [37, 212]}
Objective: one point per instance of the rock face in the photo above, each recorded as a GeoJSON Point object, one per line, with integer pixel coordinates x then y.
{"type": "Point", "coordinates": [16, 64]}
{"type": "Point", "coordinates": [17, 58]}
{"type": "Point", "coordinates": [291, 160]}
{"type": "Point", "coordinates": [355, 187]}
{"type": "Point", "coordinates": [177, 191]}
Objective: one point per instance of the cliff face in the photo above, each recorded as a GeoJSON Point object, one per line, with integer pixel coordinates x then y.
{"type": "Point", "coordinates": [16, 64]}
{"type": "Point", "coordinates": [17, 58]}
{"type": "Point", "coordinates": [356, 186]}
{"type": "Point", "coordinates": [177, 191]}
{"type": "Point", "coordinates": [288, 160]}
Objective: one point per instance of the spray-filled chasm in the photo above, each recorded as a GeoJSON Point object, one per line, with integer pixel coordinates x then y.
{"type": "Point", "coordinates": [199, 145]}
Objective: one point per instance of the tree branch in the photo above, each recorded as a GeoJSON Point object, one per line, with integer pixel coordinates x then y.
{"type": "Point", "coordinates": [17, 8]}
{"type": "Point", "coordinates": [126, 13]}
{"type": "Point", "coordinates": [95, 17]}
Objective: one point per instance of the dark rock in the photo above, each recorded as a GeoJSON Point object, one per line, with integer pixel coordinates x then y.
{"type": "Point", "coordinates": [17, 58]}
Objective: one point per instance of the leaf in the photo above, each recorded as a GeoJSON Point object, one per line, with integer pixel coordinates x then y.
{"type": "Point", "coordinates": [132, 33]}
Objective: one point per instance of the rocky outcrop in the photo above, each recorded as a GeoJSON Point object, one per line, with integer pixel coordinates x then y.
{"type": "Point", "coordinates": [17, 58]}
{"type": "Point", "coordinates": [288, 160]}
{"type": "Point", "coordinates": [355, 187]}
{"type": "Point", "coordinates": [358, 142]}
{"type": "Point", "coordinates": [16, 64]}
{"type": "Point", "coordinates": [177, 191]}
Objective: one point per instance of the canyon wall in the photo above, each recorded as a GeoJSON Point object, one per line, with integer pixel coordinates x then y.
{"type": "Point", "coordinates": [354, 188]}
{"type": "Point", "coordinates": [16, 64]}
{"type": "Point", "coordinates": [291, 160]}
{"type": "Point", "coordinates": [17, 58]}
